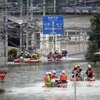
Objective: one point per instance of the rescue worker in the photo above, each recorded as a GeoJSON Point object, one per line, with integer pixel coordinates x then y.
{"type": "Point", "coordinates": [63, 77]}
{"type": "Point", "coordinates": [90, 72]}
{"type": "Point", "coordinates": [53, 78]}
{"type": "Point", "coordinates": [64, 53]}
{"type": "Point", "coordinates": [53, 75]}
{"type": "Point", "coordinates": [79, 69]}
{"type": "Point", "coordinates": [47, 80]}
{"type": "Point", "coordinates": [49, 56]}
{"type": "Point", "coordinates": [28, 55]}
{"type": "Point", "coordinates": [22, 54]}
{"type": "Point", "coordinates": [73, 72]}
{"type": "Point", "coordinates": [79, 72]}
{"type": "Point", "coordinates": [49, 74]}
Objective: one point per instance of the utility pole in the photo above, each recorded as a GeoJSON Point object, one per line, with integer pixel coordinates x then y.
{"type": "Point", "coordinates": [21, 34]}
{"type": "Point", "coordinates": [54, 6]}
{"type": "Point", "coordinates": [31, 5]}
{"type": "Point", "coordinates": [43, 15]}
{"type": "Point", "coordinates": [43, 7]}
{"type": "Point", "coordinates": [67, 3]}
{"type": "Point", "coordinates": [53, 26]}
{"type": "Point", "coordinates": [5, 32]}
{"type": "Point", "coordinates": [27, 34]}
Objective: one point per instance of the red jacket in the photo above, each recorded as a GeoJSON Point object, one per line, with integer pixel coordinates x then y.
{"type": "Point", "coordinates": [90, 71]}
{"type": "Point", "coordinates": [53, 76]}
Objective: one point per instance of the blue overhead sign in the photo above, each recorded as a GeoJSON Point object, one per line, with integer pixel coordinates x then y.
{"type": "Point", "coordinates": [53, 25]}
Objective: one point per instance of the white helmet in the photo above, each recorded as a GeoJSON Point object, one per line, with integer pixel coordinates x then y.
{"type": "Point", "coordinates": [75, 66]}
{"type": "Point", "coordinates": [47, 73]}
{"type": "Point", "coordinates": [63, 71]}
{"type": "Point", "coordinates": [27, 52]}
{"type": "Point", "coordinates": [54, 71]}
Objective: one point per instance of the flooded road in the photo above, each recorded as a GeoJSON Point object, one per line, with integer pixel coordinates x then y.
{"type": "Point", "coordinates": [26, 83]}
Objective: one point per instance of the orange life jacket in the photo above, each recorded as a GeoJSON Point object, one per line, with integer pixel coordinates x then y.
{"type": "Point", "coordinates": [63, 77]}
{"type": "Point", "coordinates": [45, 77]}
{"type": "Point", "coordinates": [90, 71]}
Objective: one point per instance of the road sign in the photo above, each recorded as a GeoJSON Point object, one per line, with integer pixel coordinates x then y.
{"type": "Point", "coordinates": [2, 75]}
{"type": "Point", "coordinates": [53, 25]}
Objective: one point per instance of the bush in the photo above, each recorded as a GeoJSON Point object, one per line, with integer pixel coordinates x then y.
{"type": "Point", "coordinates": [12, 54]}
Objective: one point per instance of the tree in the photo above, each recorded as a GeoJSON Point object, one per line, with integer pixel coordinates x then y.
{"type": "Point", "coordinates": [92, 48]}
{"type": "Point", "coordinates": [94, 40]}
{"type": "Point", "coordinates": [12, 53]}
{"type": "Point", "coordinates": [95, 27]}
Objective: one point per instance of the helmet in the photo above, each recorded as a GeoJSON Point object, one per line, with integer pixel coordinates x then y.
{"type": "Point", "coordinates": [27, 52]}
{"type": "Point", "coordinates": [75, 66]}
{"type": "Point", "coordinates": [49, 72]}
{"type": "Point", "coordinates": [63, 71]}
{"type": "Point", "coordinates": [22, 52]}
{"type": "Point", "coordinates": [78, 65]}
{"type": "Point", "coordinates": [89, 66]}
{"type": "Point", "coordinates": [54, 71]}
{"type": "Point", "coordinates": [46, 73]}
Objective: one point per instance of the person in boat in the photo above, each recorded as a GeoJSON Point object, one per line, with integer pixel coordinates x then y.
{"type": "Point", "coordinates": [28, 55]}
{"type": "Point", "coordinates": [53, 79]}
{"type": "Point", "coordinates": [75, 71]}
{"type": "Point", "coordinates": [79, 69]}
{"type": "Point", "coordinates": [55, 55]}
{"type": "Point", "coordinates": [63, 77]}
{"type": "Point", "coordinates": [47, 80]}
{"type": "Point", "coordinates": [49, 55]}
{"type": "Point", "coordinates": [34, 57]}
{"type": "Point", "coordinates": [53, 75]}
{"type": "Point", "coordinates": [49, 74]}
{"type": "Point", "coordinates": [90, 72]}
{"type": "Point", "coordinates": [21, 54]}
{"type": "Point", "coordinates": [64, 53]}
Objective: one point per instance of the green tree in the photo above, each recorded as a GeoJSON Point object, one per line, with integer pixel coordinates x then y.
{"type": "Point", "coordinates": [95, 27]}
{"type": "Point", "coordinates": [94, 40]}
{"type": "Point", "coordinates": [12, 53]}
{"type": "Point", "coordinates": [92, 48]}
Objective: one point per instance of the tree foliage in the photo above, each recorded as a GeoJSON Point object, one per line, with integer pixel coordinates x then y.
{"type": "Point", "coordinates": [94, 40]}
{"type": "Point", "coordinates": [92, 48]}
{"type": "Point", "coordinates": [12, 53]}
{"type": "Point", "coordinates": [95, 27]}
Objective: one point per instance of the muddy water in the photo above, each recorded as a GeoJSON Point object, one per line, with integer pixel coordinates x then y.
{"type": "Point", "coordinates": [26, 83]}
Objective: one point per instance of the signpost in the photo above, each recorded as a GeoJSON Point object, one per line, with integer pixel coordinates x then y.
{"type": "Point", "coordinates": [2, 75]}
{"type": "Point", "coordinates": [53, 25]}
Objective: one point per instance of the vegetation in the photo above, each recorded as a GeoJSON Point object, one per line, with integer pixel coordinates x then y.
{"type": "Point", "coordinates": [12, 53]}
{"type": "Point", "coordinates": [94, 40]}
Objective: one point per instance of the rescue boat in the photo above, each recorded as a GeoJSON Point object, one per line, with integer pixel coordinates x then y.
{"type": "Point", "coordinates": [91, 79]}
{"type": "Point", "coordinates": [17, 61]}
{"type": "Point", "coordinates": [62, 85]}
